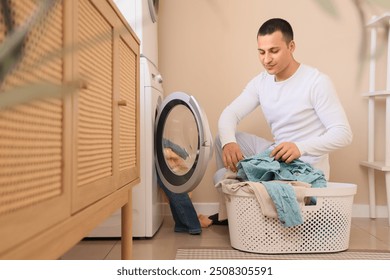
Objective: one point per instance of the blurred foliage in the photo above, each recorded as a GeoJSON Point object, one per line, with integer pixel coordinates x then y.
{"type": "Point", "coordinates": [330, 7]}
{"type": "Point", "coordinates": [11, 53]}
{"type": "Point", "coordinates": [11, 48]}
{"type": "Point", "coordinates": [365, 9]}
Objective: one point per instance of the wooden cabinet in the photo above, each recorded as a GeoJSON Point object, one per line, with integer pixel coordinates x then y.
{"type": "Point", "coordinates": [67, 162]}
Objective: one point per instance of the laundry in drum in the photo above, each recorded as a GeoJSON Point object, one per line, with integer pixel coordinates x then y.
{"type": "Point", "coordinates": [175, 157]}
{"type": "Point", "coordinates": [175, 148]}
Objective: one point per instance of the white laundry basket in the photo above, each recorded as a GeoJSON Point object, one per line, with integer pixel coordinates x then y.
{"type": "Point", "coordinates": [326, 226]}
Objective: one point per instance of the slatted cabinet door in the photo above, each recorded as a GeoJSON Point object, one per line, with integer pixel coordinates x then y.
{"type": "Point", "coordinates": [93, 164]}
{"type": "Point", "coordinates": [105, 115]}
{"type": "Point", "coordinates": [34, 137]}
{"type": "Point", "coordinates": [127, 67]}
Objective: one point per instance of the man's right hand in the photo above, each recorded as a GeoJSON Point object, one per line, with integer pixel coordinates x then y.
{"type": "Point", "coordinates": [231, 156]}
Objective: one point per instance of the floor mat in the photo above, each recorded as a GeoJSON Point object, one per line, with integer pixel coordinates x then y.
{"type": "Point", "coordinates": [220, 253]}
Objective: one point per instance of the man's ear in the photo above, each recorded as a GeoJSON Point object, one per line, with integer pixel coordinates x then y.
{"type": "Point", "coordinates": [291, 46]}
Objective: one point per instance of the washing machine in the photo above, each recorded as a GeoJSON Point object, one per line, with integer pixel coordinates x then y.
{"type": "Point", "coordinates": [147, 195]}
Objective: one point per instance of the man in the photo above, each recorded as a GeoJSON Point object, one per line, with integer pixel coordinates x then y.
{"type": "Point", "coordinates": [299, 103]}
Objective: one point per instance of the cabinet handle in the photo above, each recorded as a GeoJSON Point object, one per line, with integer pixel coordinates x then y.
{"type": "Point", "coordinates": [83, 84]}
{"type": "Point", "coordinates": [122, 103]}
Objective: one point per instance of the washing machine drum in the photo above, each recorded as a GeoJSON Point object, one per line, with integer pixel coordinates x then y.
{"type": "Point", "coordinates": [183, 142]}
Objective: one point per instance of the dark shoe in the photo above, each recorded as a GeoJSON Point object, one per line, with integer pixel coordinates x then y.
{"type": "Point", "coordinates": [214, 218]}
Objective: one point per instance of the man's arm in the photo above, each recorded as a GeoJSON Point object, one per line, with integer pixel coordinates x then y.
{"type": "Point", "coordinates": [328, 108]}
{"type": "Point", "coordinates": [244, 104]}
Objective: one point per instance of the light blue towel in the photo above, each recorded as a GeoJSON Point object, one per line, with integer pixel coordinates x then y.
{"type": "Point", "coordinates": [285, 200]}
{"type": "Point", "coordinates": [263, 168]}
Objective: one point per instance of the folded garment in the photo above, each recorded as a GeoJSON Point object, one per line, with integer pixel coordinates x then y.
{"type": "Point", "coordinates": [270, 206]}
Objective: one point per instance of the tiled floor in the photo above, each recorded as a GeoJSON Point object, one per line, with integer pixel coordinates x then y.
{"type": "Point", "coordinates": [365, 234]}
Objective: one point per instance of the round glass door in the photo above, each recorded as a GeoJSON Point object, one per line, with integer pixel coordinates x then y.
{"type": "Point", "coordinates": [183, 143]}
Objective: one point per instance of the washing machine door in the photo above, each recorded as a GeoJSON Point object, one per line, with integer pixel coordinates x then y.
{"type": "Point", "coordinates": [183, 142]}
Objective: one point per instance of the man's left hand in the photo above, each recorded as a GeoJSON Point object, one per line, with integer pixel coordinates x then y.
{"type": "Point", "coordinates": [286, 151]}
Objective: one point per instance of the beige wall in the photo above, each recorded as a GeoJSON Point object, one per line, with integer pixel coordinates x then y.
{"type": "Point", "coordinates": [208, 49]}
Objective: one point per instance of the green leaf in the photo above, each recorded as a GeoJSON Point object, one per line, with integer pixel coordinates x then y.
{"type": "Point", "coordinates": [329, 7]}
{"type": "Point", "coordinates": [28, 93]}
{"type": "Point", "coordinates": [383, 3]}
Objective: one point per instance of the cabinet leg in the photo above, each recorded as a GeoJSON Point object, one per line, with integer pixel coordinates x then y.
{"type": "Point", "coordinates": [387, 177]}
{"type": "Point", "coordinates": [371, 192]}
{"type": "Point", "coordinates": [127, 230]}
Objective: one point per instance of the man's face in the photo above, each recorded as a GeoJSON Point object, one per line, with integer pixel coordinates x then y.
{"type": "Point", "coordinates": [275, 54]}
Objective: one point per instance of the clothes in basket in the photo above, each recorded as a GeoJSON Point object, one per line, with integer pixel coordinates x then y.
{"type": "Point", "coordinates": [276, 178]}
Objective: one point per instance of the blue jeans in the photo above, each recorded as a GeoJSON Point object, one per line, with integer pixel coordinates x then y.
{"type": "Point", "coordinates": [183, 211]}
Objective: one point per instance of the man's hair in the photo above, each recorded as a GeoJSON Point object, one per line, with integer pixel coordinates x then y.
{"type": "Point", "coordinates": [277, 24]}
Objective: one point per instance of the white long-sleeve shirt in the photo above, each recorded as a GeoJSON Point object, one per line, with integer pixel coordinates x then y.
{"type": "Point", "coordinates": [303, 109]}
